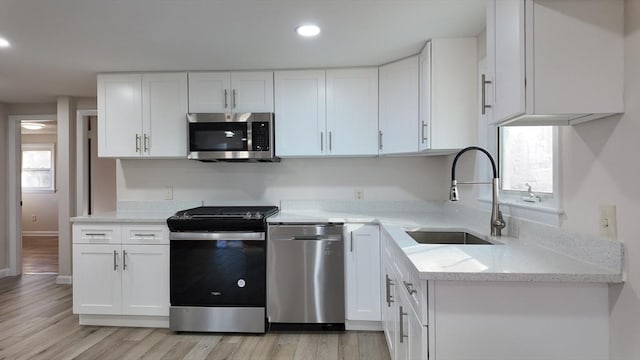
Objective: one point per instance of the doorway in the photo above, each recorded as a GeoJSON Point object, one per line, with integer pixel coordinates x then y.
{"type": "Point", "coordinates": [39, 224]}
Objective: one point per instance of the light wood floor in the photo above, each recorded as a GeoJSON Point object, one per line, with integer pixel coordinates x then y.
{"type": "Point", "coordinates": [39, 254]}
{"type": "Point", "coordinates": [36, 322]}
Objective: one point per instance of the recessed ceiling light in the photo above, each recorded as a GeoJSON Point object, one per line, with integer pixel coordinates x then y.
{"type": "Point", "coordinates": [32, 126]}
{"type": "Point", "coordinates": [4, 43]}
{"type": "Point", "coordinates": [308, 30]}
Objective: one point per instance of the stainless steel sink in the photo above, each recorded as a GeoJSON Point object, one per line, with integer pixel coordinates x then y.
{"type": "Point", "coordinates": [446, 237]}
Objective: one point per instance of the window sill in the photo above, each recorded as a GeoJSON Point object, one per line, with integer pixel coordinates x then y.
{"type": "Point", "coordinates": [548, 213]}
{"type": "Point", "coordinates": [38, 191]}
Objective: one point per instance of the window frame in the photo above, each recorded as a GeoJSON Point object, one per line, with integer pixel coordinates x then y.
{"type": "Point", "coordinates": [39, 147]}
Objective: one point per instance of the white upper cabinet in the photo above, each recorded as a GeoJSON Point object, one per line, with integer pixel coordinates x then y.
{"type": "Point", "coordinates": [352, 112]}
{"type": "Point", "coordinates": [300, 122]}
{"type": "Point", "coordinates": [448, 95]}
{"type": "Point", "coordinates": [554, 62]}
{"type": "Point", "coordinates": [119, 115]}
{"type": "Point", "coordinates": [324, 113]}
{"type": "Point", "coordinates": [142, 115]}
{"type": "Point", "coordinates": [399, 116]}
{"type": "Point", "coordinates": [216, 92]}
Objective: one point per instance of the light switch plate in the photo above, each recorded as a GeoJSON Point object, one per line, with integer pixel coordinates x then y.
{"type": "Point", "coordinates": [608, 224]}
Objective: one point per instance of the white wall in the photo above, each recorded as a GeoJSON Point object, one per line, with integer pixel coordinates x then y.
{"type": "Point", "coordinates": [394, 178]}
{"type": "Point", "coordinates": [4, 260]}
{"type": "Point", "coordinates": [42, 205]}
{"type": "Point", "coordinates": [66, 110]}
{"type": "Point", "coordinates": [600, 162]}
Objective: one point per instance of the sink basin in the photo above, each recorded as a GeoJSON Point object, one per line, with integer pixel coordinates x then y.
{"type": "Point", "coordinates": [446, 237]}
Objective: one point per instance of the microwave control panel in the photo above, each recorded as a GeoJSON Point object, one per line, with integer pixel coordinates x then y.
{"type": "Point", "coordinates": [260, 136]}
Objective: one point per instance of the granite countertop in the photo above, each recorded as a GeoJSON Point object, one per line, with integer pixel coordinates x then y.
{"type": "Point", "coordinates": [539, 253]}
{"type": "Point", "coordinates": [510, 259]}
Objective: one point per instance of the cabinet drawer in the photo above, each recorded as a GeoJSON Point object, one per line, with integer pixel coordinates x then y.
{"type": "Point", "coordinates": [96, 234]}
{"type": "Point", "coordinates": [145, 234]}
{"type": "Point", "coordinates": [415, 289]}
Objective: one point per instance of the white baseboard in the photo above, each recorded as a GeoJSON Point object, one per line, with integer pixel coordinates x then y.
{"type": "Point", "coordinates": [4, 272]}
{"type": "Point", "coordinates": [64, 280]}
{"type": "Point", "coordinates": [123, 320]}
{"type": "Point", "coordinates": [361, 325]}
{"type": "Point", "coordinates": [39, 233]}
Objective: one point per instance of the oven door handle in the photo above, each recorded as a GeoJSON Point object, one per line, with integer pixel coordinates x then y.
{"type": "Point", "coordinates": [230, 235]}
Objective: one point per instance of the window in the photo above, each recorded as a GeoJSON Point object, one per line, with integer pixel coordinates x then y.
{"type": "Point", "coordinates": [526, 159]}
{"type": "Point", "coordinates": [38, 164]}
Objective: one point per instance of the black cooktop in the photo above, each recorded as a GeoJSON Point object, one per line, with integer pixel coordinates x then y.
{"type": "Point", "coordinates": [221, 218]}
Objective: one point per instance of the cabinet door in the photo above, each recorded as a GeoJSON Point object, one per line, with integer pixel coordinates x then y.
{"type": "Point", "coordinates": [145, 280]}
{"type": "Point", "coordinates": [96, 279]}
{"type": "Point", "coordinates": [416, 340]}
{"type": "Point", "coordinates": [399, 106]}
{"type": "Point", "coordinates": [164, 110]}
{"type": "Point", "coordinates": [209, 92]}
{"type": "Point", "coordinates": [425, 98]}
{"type": "Point", "coordinates": [507, 46]}
{"type": "Point", "coordinates": [252, 91]}
{"type": "Point", "coordinates": [300, 113]}
{"type": "Point", "coordinates": [363, 272]}
{"type": "Point", "coordinates": [390, 308]}
{"type": "Point", "coordinates": [352, 111]}
{"type": "Point", "coordinates": [119, 115]}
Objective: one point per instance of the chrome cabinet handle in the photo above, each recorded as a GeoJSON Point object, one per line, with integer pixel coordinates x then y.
{"type": "Point", "coordinates": [380, 139]}
{"type": "Point", "coordinates": [321, 141]}
{"type": "Point", "coordinates": [484, 104]}
{"type": "Point", "coordinates": [95, 234]}
{"type": "Point", "coordinates": [330, 147]}
{"type": "Point", "coordinates": [226, 98]}
{"type": "Point", "coordinates": [409, 287]}
{"type": "Point", "coordinates": [137, 143]}
{"type": "Point", "coordinates": [424, 138]}
{"type": "Point", "coordinates": [115, 260]}
{"type": "Point", "coordinates": [146, 143]}
{"type": "Point", "coordinates": [402, 334]}
{"type": "Point", "coordinates": [389, 284]}
{"type": "Point", "coordinates": [351, 243]}
{"type": "Point", "coordinates": [144, 235]}
{"type": "Point", "coordinates": [124, 259]}
{"type": "Point", "coordinates": [234, 103]}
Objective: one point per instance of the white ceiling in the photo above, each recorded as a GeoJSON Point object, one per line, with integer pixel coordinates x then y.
{"type": "Point", "coordinates": [59, 46]}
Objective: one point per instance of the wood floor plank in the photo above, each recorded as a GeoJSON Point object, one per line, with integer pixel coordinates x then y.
{"type": "Point", "coordinates": [36, 322]}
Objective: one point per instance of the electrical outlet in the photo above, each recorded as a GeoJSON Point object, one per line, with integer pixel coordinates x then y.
{"type": "Point", "coordinates": [608, 225]}
{"type": "Point", "coordinates": [168, 192]}
{"type": "Point", "coordinates": [34, 218]}
{"type": "Point", "coordinates": [358, 194]}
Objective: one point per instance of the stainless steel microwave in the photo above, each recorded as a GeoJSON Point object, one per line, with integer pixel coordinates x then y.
{"type": "Point", "coordinates": [231, 137]}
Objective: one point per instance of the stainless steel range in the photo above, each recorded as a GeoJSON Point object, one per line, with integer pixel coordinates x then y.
{"type": "Point", "coordinates": [218, 268]}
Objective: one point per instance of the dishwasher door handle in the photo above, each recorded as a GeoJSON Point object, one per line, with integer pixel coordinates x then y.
{"type": "Point", "coordinates": [312, 238]}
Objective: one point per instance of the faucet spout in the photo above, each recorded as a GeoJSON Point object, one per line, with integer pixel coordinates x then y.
{"type": "Point", "coordinates": [497, 221]}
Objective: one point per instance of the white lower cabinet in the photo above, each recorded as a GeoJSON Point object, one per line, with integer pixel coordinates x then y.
{"type": "Point", "coordinates": [498, 320]}
{"type": "Point", "coordinates": [114, 275]}
{"type": "Point", "coordinates": [362, 269]}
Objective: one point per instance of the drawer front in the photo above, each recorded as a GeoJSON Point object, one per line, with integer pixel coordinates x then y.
{"type": "Point", "coordinates": [96, 234]}
{"type": "Point", "coordinates": [415, 289]}
{"type": "Point", "coordinates": [145, 234]}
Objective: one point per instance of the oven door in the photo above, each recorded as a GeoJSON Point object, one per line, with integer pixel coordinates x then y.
{"type": "Point", "coordinates": [217, 269]}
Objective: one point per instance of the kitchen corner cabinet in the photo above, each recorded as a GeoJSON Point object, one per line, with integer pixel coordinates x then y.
{"type": "Point", "coordinates": [326, 113]}
{"type": "Point", "coordinates": [121, 270]}
{"type": "Point", "coordinates": [362, 269]}
{"type": "Point", "coordinates": [450, 319]}
{"type": "Point", "coordinates": [553, 62]}
{"type": "Point", "coordinates": [219, 92]}
{"type": "Point", "coordinates": [142, 115]}
{"type": "Point", "coordinates": [448, 96]}
{"type": "Point", "coordinates": [399, 87]}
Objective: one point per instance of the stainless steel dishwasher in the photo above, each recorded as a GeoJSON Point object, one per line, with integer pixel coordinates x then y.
{"type": "Point", "coordinates": [305, 276]}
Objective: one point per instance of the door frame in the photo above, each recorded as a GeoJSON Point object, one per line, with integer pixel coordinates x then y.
{"type": "Point", "coordinates": [82, 171]}
{"type": "Point", "coordinates": [14, 167]}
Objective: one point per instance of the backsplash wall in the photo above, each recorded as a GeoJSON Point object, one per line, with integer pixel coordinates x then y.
{"type": "Point", "coordinates": [392, 178]}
